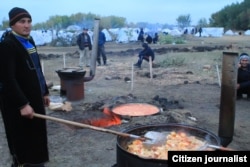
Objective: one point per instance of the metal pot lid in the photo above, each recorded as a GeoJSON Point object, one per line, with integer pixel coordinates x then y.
{"type": "Point", "coordinates": [71, 70]}
{"type": "Point", "coordinates": [71, 73]}
{"type": "Point", "coordinates": [136, 109]}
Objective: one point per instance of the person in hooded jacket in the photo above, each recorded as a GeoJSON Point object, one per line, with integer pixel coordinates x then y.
{"type": "Point", "coordinates": [24, 92]}
{"type": "Point", "coordinates": [243, 80]}
{"type": "Point", "coordinates": [144, 55]}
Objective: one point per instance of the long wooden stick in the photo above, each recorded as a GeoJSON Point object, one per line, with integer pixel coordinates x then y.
{"type": "Point", "coordinates": [87, 126]}
{"type": "Point", "coordinates": [207, 145]}
{"type": "Point", "coordinates": [220, 147]}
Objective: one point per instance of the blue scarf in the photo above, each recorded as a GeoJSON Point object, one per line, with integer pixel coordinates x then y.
{"type": "Point", "coordinates": [35, 58]}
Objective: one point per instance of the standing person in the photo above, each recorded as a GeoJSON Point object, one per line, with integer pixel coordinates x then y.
{"type": "Point", "coordinates": [243, 80]}
{"type": "Point", "coordinates": [24, 93]}
{"type": "Point", "coordinates": [148, 39]}
{"type": "Point", "coordinates": [85, 47]}
{"type": "Point", "coordinates": [200, 31]}
{"type": "Point", "coordinates": [101, 48]}
{"type": "Point", "coordinates": [156, 38]}
{"type": "Point", "coordinates": [145, 54]}
{"type": "Point", "coordinates": [141, 35]}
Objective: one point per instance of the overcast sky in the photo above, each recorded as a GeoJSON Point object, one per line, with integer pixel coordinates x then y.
{"type": "Point", "coordinates": [157, 11]}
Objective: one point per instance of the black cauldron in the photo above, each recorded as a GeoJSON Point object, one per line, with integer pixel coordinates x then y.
{"type": "Point", "coordinates": [127, 159]}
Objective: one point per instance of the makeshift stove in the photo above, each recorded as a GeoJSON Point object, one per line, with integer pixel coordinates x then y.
{"type": "Point", "coordinates": [72, 79]}
{"type": "Point", "coordinates": [72, 83]}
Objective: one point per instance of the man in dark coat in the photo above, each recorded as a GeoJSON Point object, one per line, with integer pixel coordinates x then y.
{"type": "Point", "coordinates": [243, 80]}
{"type": "Point", "coordinates": [85, 46]}
{"type": "Point", "coordinates": [144, 55]}
{"type": "Point", "coordinates": [24, 92]}
{"type": "Point", "coordinates": [200, 31]}
{"type": "Point", "coordinates": [148, 39]}
{"type": "Point", "coordinates": [141, 35]}
{"type": "Point", "coordinates": [156, 38]}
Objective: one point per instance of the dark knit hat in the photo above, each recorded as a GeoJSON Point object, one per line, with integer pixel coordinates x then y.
{"type": "Point", "coordinates": [16, 13]}
{"type": "Point", "coordinates": [244, 56]}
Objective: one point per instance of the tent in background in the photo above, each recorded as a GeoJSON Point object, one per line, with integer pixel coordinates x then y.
{"type": "Point", "coordinates": [107, 35]}
{"type": "Point", "coordinates": [211, 32]}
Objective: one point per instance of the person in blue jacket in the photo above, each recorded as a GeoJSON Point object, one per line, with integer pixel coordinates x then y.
{"type": "Point", "coordinates": [101, 49]}
{"type": "Point", "coordinates": [144, 55]}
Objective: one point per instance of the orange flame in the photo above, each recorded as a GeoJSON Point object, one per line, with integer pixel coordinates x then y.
{"type": "Point", "coordinates": [109, 119]}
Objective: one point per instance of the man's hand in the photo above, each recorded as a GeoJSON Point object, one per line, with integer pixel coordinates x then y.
{"type": "Point", "coordinates": [46, 101]}
{"type": "Point", "coordinates": [238, 86]}
{"type": "Point", "coordinates": [27, 111]}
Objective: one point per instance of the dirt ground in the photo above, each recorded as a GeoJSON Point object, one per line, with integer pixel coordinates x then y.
{"type": "Point", "coordinates": [191, 94]}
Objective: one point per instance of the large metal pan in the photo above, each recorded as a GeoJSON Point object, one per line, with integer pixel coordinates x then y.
{"type": "Point", "coordinates": [135, 109]}
{"type": "Point", "coordinates": [125, 158]}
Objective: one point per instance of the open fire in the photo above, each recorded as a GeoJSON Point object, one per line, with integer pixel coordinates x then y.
{"type": "Point", "coordinates": [109, 119]}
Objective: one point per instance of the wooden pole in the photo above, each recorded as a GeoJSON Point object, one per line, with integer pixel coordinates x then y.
{"type": "Point", "coordinates": [150, 67]}
{"type": "Point", "coordinates": [43, 67]}
{"type": "Point", "coordinates": [64, 61]}
{"type": "Point", "coordinates": [218, 74]}
{"type": "Point", "coordinates": [132, 77]}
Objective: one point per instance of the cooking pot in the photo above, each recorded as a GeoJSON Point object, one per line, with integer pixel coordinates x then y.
{"type": "Point", "coordinates": [127, 159]}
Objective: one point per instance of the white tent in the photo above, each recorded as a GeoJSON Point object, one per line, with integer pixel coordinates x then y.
{"type": "Point", "coordinates": [229, 32]}
{"type": "Point", "coordinates": [166, 30]}
{"type": "Point", "coordinates": [125, 35]}
{"type": "Point", "coordinates": [107, 35]}
{"type": "Point", "coordinates": [74, 28]}
{"type": "Point", "coordinates": [211, 32]}
{"type": "Point", "coordinates": [133, 34]}
{"type": "Point", "coordinates": [122, 36]}
{"type": "Point", "coordinates": [114, 31]}
{"type": "Point", "coordinates": [247, 32]}
{"type": "Point", "coordinates": [175, 32]}
{"type": "Point", "coordinates": [41, 37]}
